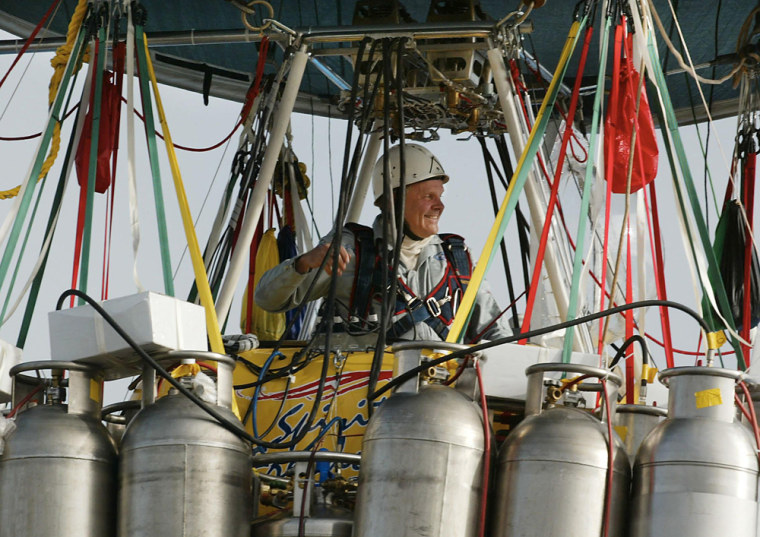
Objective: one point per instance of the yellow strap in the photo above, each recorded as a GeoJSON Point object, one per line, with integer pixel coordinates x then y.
{"type": "Point", "coordinates": [199, 269]}
{"type": "Point", "coordinates": [468, 301]}
{"type": "Point", "coordinates": [201, 278]}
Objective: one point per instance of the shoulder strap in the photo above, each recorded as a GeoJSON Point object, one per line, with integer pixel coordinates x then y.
{"type": "Point", "coordinates": [458, 254]}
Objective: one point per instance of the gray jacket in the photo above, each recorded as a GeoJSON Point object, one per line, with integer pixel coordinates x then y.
{"type": "Point", "coordinates": [283, 288]}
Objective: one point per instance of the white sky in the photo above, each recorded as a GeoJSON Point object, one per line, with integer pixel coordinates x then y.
{"type": "Point", "coordinates": [23, 104]}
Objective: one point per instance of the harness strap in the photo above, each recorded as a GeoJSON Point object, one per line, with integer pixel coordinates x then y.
{"type": "Point", "coordinates": [437, 309]}
{"type": "Point", "coordinates": [366, 262]}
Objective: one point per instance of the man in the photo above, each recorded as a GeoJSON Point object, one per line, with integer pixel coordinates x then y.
{"type": "Point", "coordinates": [433, 270]}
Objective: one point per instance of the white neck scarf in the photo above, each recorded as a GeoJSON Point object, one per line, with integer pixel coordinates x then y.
{"type": "Point", "coordinates": [410, 250]}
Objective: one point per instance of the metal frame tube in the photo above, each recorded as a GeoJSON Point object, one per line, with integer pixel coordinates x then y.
{"type": "Point", "coordinates": [506, 94]}
{"type": "Point", "coordinates": [365, 175]}
{"type": "Point", "coordinates": [259, 194]}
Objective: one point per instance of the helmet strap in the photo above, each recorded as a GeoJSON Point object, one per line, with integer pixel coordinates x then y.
{"type": "Point", "coordinates": [408, 232]}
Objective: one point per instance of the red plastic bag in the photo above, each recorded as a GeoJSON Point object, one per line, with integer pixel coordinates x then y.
{"type": "Point", "coordinates": [619, 124]}
{"type": "Point", "coordinates": [110, 107]}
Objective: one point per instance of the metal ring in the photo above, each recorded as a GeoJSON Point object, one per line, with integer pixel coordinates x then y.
{"type": "Point", "coordinates": [665, 374]}
{"type": "Point", "coordinates": [432, 345]}
{"type": "Point", "coordinates": [282, 457]}
{"type": "Point", "coordinates": [642, 409]}
{"type": "Point", "coordinates": [264, 26]}
{"type": "Point", "coordinates": [198, 355]}
{"type": "Point", "coordinates": [575, 368]}
{"type": "Point", "coordinates": [107, 411]}
{"type": "Point", "coordinates": [51, 364]}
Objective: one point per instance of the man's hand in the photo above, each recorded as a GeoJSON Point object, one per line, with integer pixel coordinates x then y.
{"type": "Point", "coordinates": [313, 259]}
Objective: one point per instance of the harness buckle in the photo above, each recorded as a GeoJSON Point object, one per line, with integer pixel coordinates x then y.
{"type": "Point", "coordinates": [433, 306]}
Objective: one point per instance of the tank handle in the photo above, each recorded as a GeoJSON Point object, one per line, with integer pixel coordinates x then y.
{"type": "Point", "coordinates": [408, 354]}
{"type": "Point", "coordinates": [225, 367]}
{"type": "Point", "coordinates": [85, 386]}
{"type": "Point", "coordinates": [536, 373]}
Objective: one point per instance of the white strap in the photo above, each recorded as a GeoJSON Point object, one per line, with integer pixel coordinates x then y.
{"type": "Point", "coordinates": [134, 216]}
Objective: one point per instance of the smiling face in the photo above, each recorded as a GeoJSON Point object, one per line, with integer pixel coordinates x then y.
{"type": "Point", "coordinates": [424, 207]}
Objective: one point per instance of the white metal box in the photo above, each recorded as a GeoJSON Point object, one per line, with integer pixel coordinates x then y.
{"type": "Point", "coordinates": [158, 323]}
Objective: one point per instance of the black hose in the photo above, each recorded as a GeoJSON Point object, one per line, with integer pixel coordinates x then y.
{"type": "Point", "coordinates": [627, 343]}
{"type": "Point", "coordinates": [538, 332]}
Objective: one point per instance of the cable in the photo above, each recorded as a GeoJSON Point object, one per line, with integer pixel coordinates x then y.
{"type": "Point", "coordinates": [24, 401]}
{"type": "Point", "coordinates": [538, 332]}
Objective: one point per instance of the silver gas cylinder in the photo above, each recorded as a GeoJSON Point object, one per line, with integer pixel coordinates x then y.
{"type": "Point", "coordinates": [58, 468]}
{"type": "Point", "coordinates": [553, 467]}
{"type": "Point", "coordinates": [182, 474]}
{"type": "Point", "coordinates": [696, 473]}
{"type": "Point", "coordinates": [314, 514]}
{"type": "Point", "coordinates": [422, 460]}
{"type": "Point", "coordinates": [634, 422]}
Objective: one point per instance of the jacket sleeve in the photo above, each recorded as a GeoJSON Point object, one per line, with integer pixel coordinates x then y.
{"type": "Point", "coordinates": [282, 288]}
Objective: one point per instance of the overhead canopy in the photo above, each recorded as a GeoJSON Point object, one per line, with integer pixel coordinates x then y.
{"type": "Point", "coordinates": [224, 54]}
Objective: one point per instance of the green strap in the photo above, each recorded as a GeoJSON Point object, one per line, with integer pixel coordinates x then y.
{"type": "Point", "coordinates": [84, 264]}
{"type": "Point", "coordinates": [49, 230]}
{"type": "Point", "coordinates": [713, 270]}
{"type": "Point", "coordinates": [578, 267]}
{"type": "Point", "coordinates": [25, 201]}
{"type": "Point", "coordinates": [150, 132]}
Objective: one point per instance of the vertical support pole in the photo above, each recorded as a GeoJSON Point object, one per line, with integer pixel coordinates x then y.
{"type": "Point", "coordinates": [259, 193]}
{"type": "Point", "coordinates": [365, 175]}
{"type": "Point", "coordinates": [506, 94]}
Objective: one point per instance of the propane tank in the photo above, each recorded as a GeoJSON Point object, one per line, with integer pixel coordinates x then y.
{"type": "Point", "coordinates": [422, 459]}
{"type": "Point", "coordinates": [313, 513]}
{"type": "Point", "coordinates": [696, 473]}
{"type": "Point", "coordinates": [182, 473]}
{"type": "Point", "coordinates": [58, 468]}
{"type": "Point", "coordinates": [634, 422]}
{"type": "Point", "coordinates": [553, 467]}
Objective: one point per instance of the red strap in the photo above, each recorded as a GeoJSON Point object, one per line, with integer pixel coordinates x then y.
{"type": "Point", "coordinates": [655, 238]}
{"type": "Point", "coordinates": [535, 278]}
{"type": "Point", "coordinates": [748, 185]}
{"type": "Point", "coordinates": [630, 372]}
{"type": "Point", "coordinates": [30, 40]}
{"type": "Point", "coordinates": [119, 54]}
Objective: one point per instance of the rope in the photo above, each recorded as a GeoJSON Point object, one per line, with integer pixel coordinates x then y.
{"type": "Point", "coordinates": [59, 62]}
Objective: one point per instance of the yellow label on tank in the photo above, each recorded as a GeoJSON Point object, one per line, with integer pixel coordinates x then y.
{"type": "Point", "coordinates": [96, 391]}
{"type": "Point", "coordinates": [708, 398]}
{"type": "Point", "coordinates": [622, 431]}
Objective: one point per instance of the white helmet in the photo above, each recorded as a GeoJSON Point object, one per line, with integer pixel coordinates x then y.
{"type": "Point", "coordinates": [421, 165]}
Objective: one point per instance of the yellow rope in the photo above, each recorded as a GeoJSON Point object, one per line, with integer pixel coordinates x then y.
{"type": "Point", "coordinates": [58, 62]}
